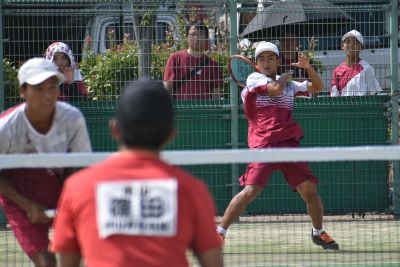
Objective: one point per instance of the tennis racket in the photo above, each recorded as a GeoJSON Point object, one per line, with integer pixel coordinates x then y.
{"type": "Point", "coordinates": [240, 67]}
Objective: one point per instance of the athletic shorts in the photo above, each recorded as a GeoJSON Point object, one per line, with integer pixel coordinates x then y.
{"type": "Point", "coordinates": [41, 186]}
{"type": "Point", "coordinates": [32, 238]}
{"type": "Point", "coordinates": [294, 173]}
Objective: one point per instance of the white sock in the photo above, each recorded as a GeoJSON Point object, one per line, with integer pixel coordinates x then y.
{"type": "Point", "coordinates": [316, 232]}
{"type": "Point", "coordinates": [221, 230]}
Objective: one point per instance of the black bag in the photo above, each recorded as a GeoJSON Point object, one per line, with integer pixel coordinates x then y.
{"type": "Point", "coordinates": [189, 74]}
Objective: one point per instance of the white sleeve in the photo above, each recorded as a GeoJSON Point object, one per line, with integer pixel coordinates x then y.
{"type": "Point", "coordinates": [371, 83]}
{"type": "Point", "coordinates": [300, 86]}
{"type": "Point", "coordinates": [257, 79]}
{"type": "Point", "coordinates": [80, 141]}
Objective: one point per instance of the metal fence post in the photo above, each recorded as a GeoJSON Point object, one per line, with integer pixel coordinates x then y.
{"type": "Point", "coordinates": [394, 64]}
{"type": "Point", "coordinates": [234, 94]}
{"type": "Point", "coordinates": [2, 82]}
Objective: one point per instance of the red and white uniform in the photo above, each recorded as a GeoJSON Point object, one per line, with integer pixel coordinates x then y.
{"type": "Point", "coordinates": [270, 125]}
{"type": "Point", "coordinates": [357, 80]}
{"type": "Point", "coordinates": [270, 117]}
{"type": "Point", "coordinates": [68, 133]}
{"type": "Point", "coordinates": [134, 209]}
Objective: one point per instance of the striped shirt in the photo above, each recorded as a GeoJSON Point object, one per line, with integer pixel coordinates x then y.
{"type": "Point", "coordinates": [270, 117]}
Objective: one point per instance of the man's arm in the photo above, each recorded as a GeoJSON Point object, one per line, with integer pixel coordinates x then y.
{"type": "Point", "coordinates": [169, 85]}
{"type": "Point", "coordinates": [316, 84]}
{"type": "Point", "coordinates": [275, 88]}
{"type": "Point", "coordinates": [34, 211]}
{"type": "Point", "coordinates": [211, 258]}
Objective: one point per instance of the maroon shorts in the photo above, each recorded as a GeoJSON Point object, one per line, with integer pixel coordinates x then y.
{"type": "Point", "coordinates": [294, 173]}
{"type": "Point", "coordinates": [41, 186]}
{"type": "Point", "coordinates": [32, 238]}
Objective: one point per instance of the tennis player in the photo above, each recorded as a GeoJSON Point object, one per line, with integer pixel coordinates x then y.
{"type": "Point", "coordinates": [133, 209]}
{"type": "Point", "coordinates": [39, 125]}
{"type": "Point", "coordinates": [268, 103]}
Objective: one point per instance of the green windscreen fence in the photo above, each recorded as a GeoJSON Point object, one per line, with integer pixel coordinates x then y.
{"type": "Point", "coordinates": [326, 121]}
{"type": "Point", "coordinates": [104, 40]}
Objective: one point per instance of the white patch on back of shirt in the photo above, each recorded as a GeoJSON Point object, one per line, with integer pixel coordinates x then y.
{"type": "Point", "coordinates": [139, 207]}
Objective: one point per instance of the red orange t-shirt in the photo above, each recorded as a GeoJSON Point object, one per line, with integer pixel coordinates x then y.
{"type": "Point", "coordinates": [134, 210]}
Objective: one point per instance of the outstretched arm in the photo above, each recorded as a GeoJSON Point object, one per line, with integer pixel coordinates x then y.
{"type": "Point", "coordinates": [316, 84]}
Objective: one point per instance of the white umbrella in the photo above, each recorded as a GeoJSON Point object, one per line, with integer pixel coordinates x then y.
{"type": "Point", "coordinates": [292, 13]}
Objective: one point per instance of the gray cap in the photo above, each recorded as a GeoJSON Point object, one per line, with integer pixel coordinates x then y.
{"type": "Point", "coordinates": [37, 70]}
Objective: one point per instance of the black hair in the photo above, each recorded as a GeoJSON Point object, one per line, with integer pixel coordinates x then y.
{"type": "Point", "coordinates": [145, 114]}
{"type": "Point", "coordinates": [199, 25]}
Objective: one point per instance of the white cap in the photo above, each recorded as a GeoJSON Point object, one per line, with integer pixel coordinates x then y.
{"type": "Point", "coordinates": [37, 70]}
{"type": "Point", "coordinates": [355, 34]}
{"type": "Point", "coordinates": [264, 47]}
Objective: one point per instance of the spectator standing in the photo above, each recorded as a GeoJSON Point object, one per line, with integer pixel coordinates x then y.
{"type": "Point", "coordinates": [39, 125]}
{"type": "Point", "coordinates": [190, 74]}
{"type": "Point", "coordinates": [354, 76]}
{"type": "Point", "coordinates": [268, 103]}
{"type": "Point", "coordinates": [133, 208]}
{"type": "Point", "coordinates": [74, 87]}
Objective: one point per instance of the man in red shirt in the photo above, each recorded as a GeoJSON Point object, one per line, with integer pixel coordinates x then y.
{"type": "Point", "coordinates": [190, 74]}
{"type": "Point", "coordinates": [133, 209]}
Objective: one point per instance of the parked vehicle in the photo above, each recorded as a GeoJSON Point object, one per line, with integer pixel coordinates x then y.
{"type": "Point", "coordinates": [110, 28]}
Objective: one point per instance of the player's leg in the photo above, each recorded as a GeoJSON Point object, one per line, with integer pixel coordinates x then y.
{"type": "Point", "coordinates": [44, 258]}
{"type": "Point", "coordinates": [308, 192]}
{"type": "Point", "coordinates": [301, 179]}
{"type": "Point", "coordinates": [33, 238]}
{"type": "Point", "coordinates": [254, 180]}
{"type": "Point", "coordinates": [239, 203]}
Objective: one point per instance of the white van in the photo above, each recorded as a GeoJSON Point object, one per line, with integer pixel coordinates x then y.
{"type": "Point", "coordinates": [108, 28]}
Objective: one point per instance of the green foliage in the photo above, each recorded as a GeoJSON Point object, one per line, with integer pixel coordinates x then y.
{"type": "Point", "coordinates": [222, 60]}
{"type": "Point", "coordinates": [105, 74]}
{"type": "Point", "coordinates": [159, 59]}
{"type": "Point", "coordinates": [11, 93]}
